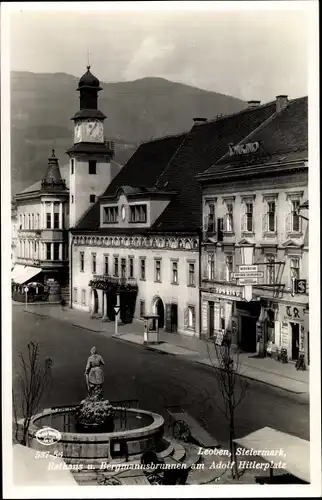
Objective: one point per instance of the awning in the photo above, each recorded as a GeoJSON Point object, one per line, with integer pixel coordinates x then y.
{"type": "Point", "coordinates": [26, 274]}
{"type": "Point", "coordinates": [31, 471]}
{"type": "Point", "coordinates": [296, 450]}
{"type": "Point", "coordinates": [18, 269]}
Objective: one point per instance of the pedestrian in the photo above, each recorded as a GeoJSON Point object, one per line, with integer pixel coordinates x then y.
{"type": "Point", "coordinates": [62, 303]}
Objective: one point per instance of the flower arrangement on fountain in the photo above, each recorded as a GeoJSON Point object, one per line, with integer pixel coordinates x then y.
{"type": "Point", "coordinates": [95, 412]}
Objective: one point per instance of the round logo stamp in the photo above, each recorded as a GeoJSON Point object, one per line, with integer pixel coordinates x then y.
{"type": "Point", "coordinates": [47, 436]}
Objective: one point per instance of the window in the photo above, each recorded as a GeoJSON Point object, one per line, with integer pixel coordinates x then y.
{"type": "Point", "coordinates": [211, 266]}
{"type": "Point", "coordinates": [48, 251]}
{"type": "Point", "coordinates": [92, 198]}
{"type": "Point", "coordinates": [295, 268]}
{"type": "Point", "coordinates": [211, 222]}
{"type": "Point", "coordinates": [249, 217]}
{"type": "Point", "coordinates": [142, 269]}
{"type": "Point", "coordinates": [191, 317]}
{"type": "Point", "coordinates": [48, 221]}
{"type": "Point", "coordinates": [32, 221]}
{"type": "Point", "coordinates": [123, 268]}
{"type": "Point", "coordinates": [106, 264]}
{"type": "Point", "coordinates": [157, 264]}
{"type": "Point", "coordinates": [110, 214]}
{"type": "Point", "coordinates": [270, 271]}
{"type": "Point", "coordinates": [81, 257]}
{"type": "Point", "coordinates": [131, 267]}
{"type": "Point", "coordinates": [191, 274]}
{"type": "Point", "coordinates": [56, 221]}
{"type": "Point", "coordinates": [72, 198]}
{"type": "Point", "coordinates": [175, 272]}
{"type": "Point", "coordinates": [138, 213]}
{"type": "Point", "coordinates": [74, 294]}
{"type": "Point", "coordinates": [56, 251]}
{"type": "Point", "coordinates": [84, 297]}
{"type": "Point", "coordinates": [142, 308]}
{"type": "Point", "coordinates": [94, 263]}
{"type": "Point", "coordinates": [72, 165]}
{"type": "Point", "coordinates": [229, 218]}
{"type": "Point", "coordinates": [229, 267]}
{"type": "Point", "coordinates": [116, 266]}
{"type": "Point", "coordinates": [295, 216]}
{"type": "Point", "coordinates": [271, 214]}
{"type": "Point", "coordinates": [92, 167]}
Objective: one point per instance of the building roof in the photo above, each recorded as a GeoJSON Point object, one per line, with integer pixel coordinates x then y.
{"type": "Point", "coordinates": [174, 163]}
{"type": "Point", "coordinates": [53, 179]}
{"type": "Point", "coordinates": [283, 139]}
{"type": "Point", "coordinates": [142, 170]}
{"type": "Point", "coordinates": [89, 80]}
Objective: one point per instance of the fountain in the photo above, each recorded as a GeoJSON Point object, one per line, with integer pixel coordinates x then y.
{"type": "Point", "coordinates": [96, 433]}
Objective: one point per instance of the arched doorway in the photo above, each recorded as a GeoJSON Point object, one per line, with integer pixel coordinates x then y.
{"type": "Point", "coordinates": [94, 301]}
{"type": "Point", "coordinates": [159, 310]}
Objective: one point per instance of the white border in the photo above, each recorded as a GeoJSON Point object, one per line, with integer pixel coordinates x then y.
{"type": "Point", "coordinates": [314, 489]}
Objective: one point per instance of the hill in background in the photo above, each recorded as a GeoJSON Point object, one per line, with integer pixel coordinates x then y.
{"type": "Point", "coordinates": [42, 105]}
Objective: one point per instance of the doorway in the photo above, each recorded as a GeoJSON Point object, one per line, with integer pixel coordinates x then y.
{"type": "Point", "coordinates": [95, 302]}
{"type": "Point", "coordinates": [295, 340]}
{"type": "Point", "coordinates": [159, 310]}
{"type": "Point", "coordinates": [248, 334]}
{"type": "Point", "coordinates": [174, 318]}
{"type": "Point", "coordinates": [211, 319]}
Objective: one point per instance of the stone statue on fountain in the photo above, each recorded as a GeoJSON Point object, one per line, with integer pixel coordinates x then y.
{"type": "Point", "coordinates": [94, 373]}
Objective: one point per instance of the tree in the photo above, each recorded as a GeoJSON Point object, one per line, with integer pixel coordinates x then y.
{"type": "Point", "coordinates": [232, 387]}
{"type": "Point", "coordinates": [34, 382]}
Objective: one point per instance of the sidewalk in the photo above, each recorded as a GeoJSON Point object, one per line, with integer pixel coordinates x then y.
{"type": "Point", "coordinates": [264, 370]}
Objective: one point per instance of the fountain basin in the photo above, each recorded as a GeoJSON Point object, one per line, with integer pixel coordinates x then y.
{"type": "Point", "coordinates": [135, 431]}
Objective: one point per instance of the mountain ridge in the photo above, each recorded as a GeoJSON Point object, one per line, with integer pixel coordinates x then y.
{"type": "Point", "coordinates": [42, 105]}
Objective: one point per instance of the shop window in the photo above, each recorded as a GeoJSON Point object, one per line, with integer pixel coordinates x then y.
{"type": "Point", "coordinates": [142, 269]}
{"type": "Point", "coordinates": [81, 258]}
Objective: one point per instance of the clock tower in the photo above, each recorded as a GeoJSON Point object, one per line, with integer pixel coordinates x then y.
{"type": "Point", "coordinates": [90, 157]}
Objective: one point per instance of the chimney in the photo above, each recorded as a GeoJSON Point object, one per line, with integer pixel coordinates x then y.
{"type": "Point", "coordinates": [281, 103]}
{"type": "Point", "coordinates": [198, 121]}
{"type": "Point", "coordinates": [253, 104]}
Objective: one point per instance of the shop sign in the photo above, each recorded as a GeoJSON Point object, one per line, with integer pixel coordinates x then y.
{"type": "Point", "coordinates": [292, 313]}
{"type": "Point", "coordinates": [228, 292]}
{"type": "Point", "coordinates": [285, 334]}
{"type": "Point", "coordinates": [243, 149]}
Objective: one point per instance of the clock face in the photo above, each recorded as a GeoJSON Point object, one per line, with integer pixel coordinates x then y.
{"type": "Point", "coordinates": [94, 131]}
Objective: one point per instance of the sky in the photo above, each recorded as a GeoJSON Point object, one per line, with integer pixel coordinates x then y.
{"type": "Point", "coordinates": [247, 53]}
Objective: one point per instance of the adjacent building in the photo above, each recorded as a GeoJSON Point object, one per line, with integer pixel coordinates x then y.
{"type": "Point", "coordinates": [253, 203]}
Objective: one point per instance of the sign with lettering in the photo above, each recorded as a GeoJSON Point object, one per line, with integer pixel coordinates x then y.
{"type": "Point", "coordinates": [227, 291]}
{"type": "Point", "coordinates": [285, 334]}
{"type": "Point", "coordinates": [300, 286]}
{"type": "Point", "coordinates": [292, 313]}
{"type": "Point", "coordinates": [243, 149]}
{"type": "Point", "coordinates": [247, 281]}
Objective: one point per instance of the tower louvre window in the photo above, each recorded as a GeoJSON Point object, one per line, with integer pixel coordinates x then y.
{"type": "Point", "coordinates": [92, 167]}
{"type": "Point", "coordinates": [110, 214]}
{"type": "Point", "coordinates": [92, 198]}
{"type": "Point", "coordinates": [72, 165]}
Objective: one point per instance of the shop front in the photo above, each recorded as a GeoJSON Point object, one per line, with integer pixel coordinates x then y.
{"type": "Point", "coordinates": [292, 330]}
{"type": "Point", "coordinates": [218, 320]}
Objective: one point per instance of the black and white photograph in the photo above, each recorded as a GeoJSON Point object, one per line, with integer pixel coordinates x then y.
{"type": "Point", "coordinates": [160, 286]}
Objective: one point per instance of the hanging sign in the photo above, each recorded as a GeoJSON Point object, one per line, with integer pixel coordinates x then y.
{"type": "Point", "coordinates": [117, 310]}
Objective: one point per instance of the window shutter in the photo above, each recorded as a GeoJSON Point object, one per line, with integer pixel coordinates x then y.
{"type": "Point", "coordinates": [186, 318]}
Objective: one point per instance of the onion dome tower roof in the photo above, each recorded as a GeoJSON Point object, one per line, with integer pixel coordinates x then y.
{"type": "Point", "coordinates": [89, 80]}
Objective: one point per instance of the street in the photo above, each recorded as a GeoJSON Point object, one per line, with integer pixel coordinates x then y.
{"type": "Point", "coordinates": [156, 380]}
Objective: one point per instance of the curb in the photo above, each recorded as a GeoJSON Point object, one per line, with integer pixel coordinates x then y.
{"type": "Point", "coordinates": [88, 329]}
{"type": "Point", "coordinates": [152, 348]}
{"type": "Point", "coordinates": [36, 314]}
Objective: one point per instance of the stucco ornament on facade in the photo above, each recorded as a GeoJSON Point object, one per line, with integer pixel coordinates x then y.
{"type": "Point", "coordinates": [142, 242]}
